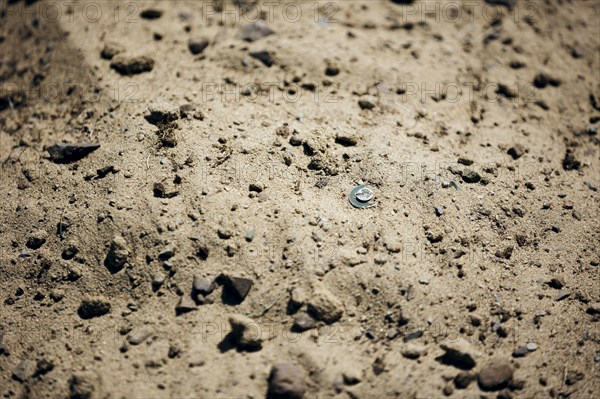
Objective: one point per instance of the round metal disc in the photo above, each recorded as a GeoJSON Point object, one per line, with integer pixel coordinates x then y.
{"type": "Point", "coordinates": [359, 197]}
{"type": "Point", "coordinates": [364, 194]}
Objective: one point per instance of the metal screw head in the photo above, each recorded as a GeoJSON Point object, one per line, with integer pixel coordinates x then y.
{"type": "Point", "coordinates": [364, 194]}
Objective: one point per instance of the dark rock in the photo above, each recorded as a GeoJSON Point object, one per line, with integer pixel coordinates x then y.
{"type": "Point", "coordinates": [286, 381]}
{"type": "Point", "coordinates": [263, 56]}
{"type": "Point", "coordinates": [103, 172]}
{"type": "Point", "coordinates": [520, 351]}
{"type": "Point", "coordinates": [256, 187]}
{"type": "Point", "coordinates": [573, 376]}
{"type": "Point", "coordinates": [506, 91]}
{"type": "Point", "coordinates": [516, 151]}
{"type": "Point", "coordinates": [569, 161]}
{"type": "Point", "coordinates": [67, 153]}
{"type": "Point", "coordinates": [434, 236]}
{"type": "Point", "coordinates": [365, 104]}
{"type": "Point", "coordinates": [458, 354]}
{"type": "Point", "coordinates": [470, 176]}
{"type": "Point", "coordinates": [556, 283]}
{"type": "Point", "coordinates": [542, 80]}
{"type": "Point", "coordinates": [303, 322]}
{"type": "Point", "coordinates": [198, 45]}
{"type": "Point", "coordinates": [132, 65]}
{"type": "Point", "coordinates": [236, 287]}
{"type": "Point", "coordinates": [224, 234]}
{"type": "Point", "coordinates": [254, 32]}
{"type": "Point", "coordinates": [463, 379]}
{"type": "Point", "coordinates": [465, 161]}
{"type": "Point", "coordinates": [151, 13]}
{"type": "Point", "coordinates": [93, 307]}
{"type": "Point", "coordinates": [161, 191]}
{"type": "Point", "coordinates": [110, 50]}
{"type": "Point", "coordinates": [347, 140]}
{"type": "Point", "coordinates": [332, 70]}
{"type": "Point", "coordinates": [167, 253]}
{"type": "Point", "coordinates": [162, 114]}
{"type": "Point", "coordinates": [495, 375]}
{"type": "Point", "coordinates": [36, 239]}
{"type": "Point", "coordinates": [448, 390]}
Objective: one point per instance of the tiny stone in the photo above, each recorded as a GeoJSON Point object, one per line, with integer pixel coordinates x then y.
{"type": "Point", "coordinates": [465, 161]}
{"type": "Point", "coordinates": [463, 379]}
{"type": "Point", "coordinates": [365, 104]}
{"type": "Point", "coordinates": [37, 239]}
{"type": "Point", "coordinates": [470, 176]}
{"type": "Point", "coordinates": [199, 362]}
{"type": "Point", "coordinates": [167, 253]}
{"type": "Point", "coordinates": [448, 390]}
{"type": "Point", "coordinates": [132, 65]}
{"type": "Point", "coordinates": [556, 283]}
{"type": "Point", "coordinates": [303, 322]}
{"type": "Point", "coordinates": [110, 50]}
{"type": "Point", "coordinates": [263, 56]}
{"type": "Point", "coordinates": [520, 351]}
{"type": "Point", "coordinates": [516, 151]}
{"type": "Point", "coordinates": [93, 307]}
{"type": "Point", "coordinates": [197, 46]}
{"type": "Point", "coordinates": [458, 354]}
{"type": "Point", "coordinates": [413, 351]}
{"type": "Point", "coordinates": [139, 336]}
{"type": "Point", "coordinates": [151, 13]}
{"type": "Point", "coordinates": [531, 346]}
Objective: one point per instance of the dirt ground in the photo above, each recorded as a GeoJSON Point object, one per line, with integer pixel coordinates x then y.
{"type": "Point", "coordinates": [208, 249]}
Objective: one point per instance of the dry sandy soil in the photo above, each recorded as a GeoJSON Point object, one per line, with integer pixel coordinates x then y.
{"type": "Point", "coordinates": [207, 248]}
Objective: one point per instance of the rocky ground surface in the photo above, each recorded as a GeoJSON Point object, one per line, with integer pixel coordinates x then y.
{"type": "Point", "coordinates": [175, 214]}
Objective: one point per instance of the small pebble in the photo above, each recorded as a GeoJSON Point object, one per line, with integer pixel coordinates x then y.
{"type": "Point", "coordinates": [531, 346]}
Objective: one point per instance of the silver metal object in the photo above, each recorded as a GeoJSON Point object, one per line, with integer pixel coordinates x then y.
{"type": "Point", "coordinates": [360, 196]}
{"type": "Point", "coordinates": [364, 194]}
